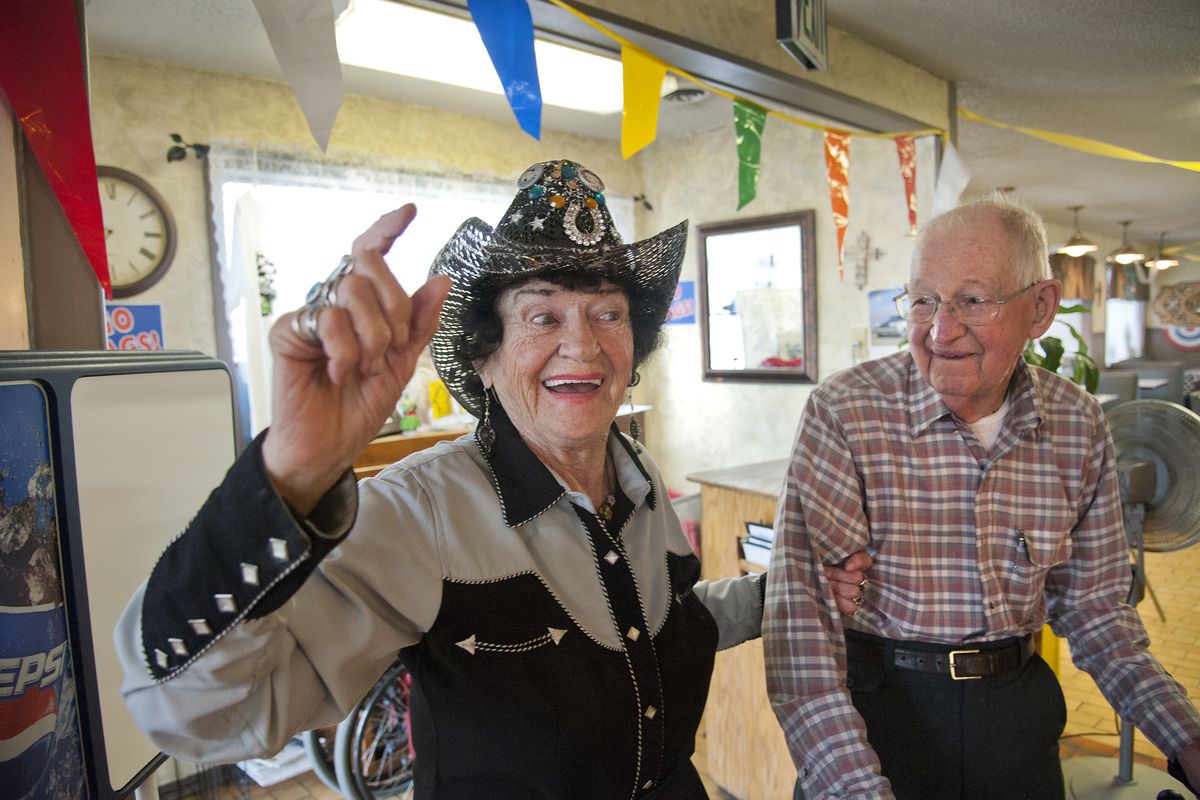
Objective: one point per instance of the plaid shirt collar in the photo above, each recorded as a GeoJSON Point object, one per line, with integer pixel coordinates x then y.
{"type": "Point", "coordinates": [927, 406]}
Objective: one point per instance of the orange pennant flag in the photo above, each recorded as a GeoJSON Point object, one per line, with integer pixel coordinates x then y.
{"type": "Point", "coordinates": [906, 148]}
{"type": "Point", "coordinates": [837, 169]}
{"type": "Point", "coordinates": [642, 79]}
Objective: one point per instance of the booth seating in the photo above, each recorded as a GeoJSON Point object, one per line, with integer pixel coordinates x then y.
{"type": "Point", "coordinates": [1151, 377]}
{"type": "Point", "coordinates": [1119, 385]}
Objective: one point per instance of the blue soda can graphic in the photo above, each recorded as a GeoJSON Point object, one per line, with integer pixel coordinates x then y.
{"type": "Point", "coordinates": [40, 754]}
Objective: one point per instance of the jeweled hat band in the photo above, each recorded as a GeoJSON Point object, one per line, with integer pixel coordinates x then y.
{"type": "Point", "coordinates": [559, 204]}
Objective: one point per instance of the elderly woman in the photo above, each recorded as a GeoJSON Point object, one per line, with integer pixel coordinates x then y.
{"type": "Point", "coordinates": [532, 576]}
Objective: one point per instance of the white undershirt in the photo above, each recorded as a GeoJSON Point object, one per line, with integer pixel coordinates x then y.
{"type": "Point", "coordinates": [987, 429]}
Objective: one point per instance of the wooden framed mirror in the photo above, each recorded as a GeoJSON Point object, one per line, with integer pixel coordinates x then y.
{"type": "Point", "coordinates": [758, 299]}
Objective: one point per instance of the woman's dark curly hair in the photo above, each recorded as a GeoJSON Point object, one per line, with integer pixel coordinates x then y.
{"type": "Point", "coordinates": [485, 331]}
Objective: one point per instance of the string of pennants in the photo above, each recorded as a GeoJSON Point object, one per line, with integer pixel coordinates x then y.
{"type": "Point", "coordinates": [643, 75]}
{"type": "Point", "coordinates": [41, 75]}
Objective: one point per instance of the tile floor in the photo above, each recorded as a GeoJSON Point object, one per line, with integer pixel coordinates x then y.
{"type": "Point", "coordinates": [1091, 728]}
{"type": "Point", "coordinates": [1175, 641]}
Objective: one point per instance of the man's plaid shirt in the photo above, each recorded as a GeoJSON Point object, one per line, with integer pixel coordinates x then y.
{"type": "Point", "coordinates": [968, 546]}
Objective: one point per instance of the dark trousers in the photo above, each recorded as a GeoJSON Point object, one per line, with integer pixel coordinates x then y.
{"type": "Point", "coordinates": [995, 738]}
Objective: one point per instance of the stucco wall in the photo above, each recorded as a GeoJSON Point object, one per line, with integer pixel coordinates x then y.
{"type": "Point", "coordinates": [702, 425]}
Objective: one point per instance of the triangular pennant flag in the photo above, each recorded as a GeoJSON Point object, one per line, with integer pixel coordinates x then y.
{"type": "Point", "coordinates": [506, 28]}
{"type": "Point", "coordinates": [748, 123]}
{"type": "Point", "coordinates": [906, 149]}
{"type": "Point", "coordinates": [41, 72]}
{"type": "Point", "coordinates": [837, 169]}
{"type": "Point", "coordinates": [303, 40]}
{"type": "Point", "coordinates": [952, 179]}
{"type": "Point", "coordinates": [642, 79]}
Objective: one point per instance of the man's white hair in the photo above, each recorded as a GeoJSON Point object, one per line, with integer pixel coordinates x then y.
{"type": "Point", "coordinates": [1026, 232]}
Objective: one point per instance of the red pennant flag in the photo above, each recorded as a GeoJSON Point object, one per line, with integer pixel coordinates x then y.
{"type": "Point", "coordinates": [906, 148]}
{"type": "Point", "coordinates": [837, 169]}
{"type": "Point", "coordinates": [41, 72]}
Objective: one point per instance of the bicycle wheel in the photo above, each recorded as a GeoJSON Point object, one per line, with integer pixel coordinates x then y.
{"type": "Point", "coordinates": [373, 755]}
{"type": "Point", "coordinates": [319, 745]}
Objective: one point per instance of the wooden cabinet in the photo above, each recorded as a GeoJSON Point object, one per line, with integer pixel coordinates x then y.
{"type": "Point", "coordinates": [747, 754]}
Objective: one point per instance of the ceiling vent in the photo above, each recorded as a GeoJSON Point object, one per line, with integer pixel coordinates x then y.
{"type": "Point", "coordinates": [686, 95]}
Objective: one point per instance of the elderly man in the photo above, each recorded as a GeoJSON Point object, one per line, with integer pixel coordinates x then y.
{"type": "Point", "coordinates": [985, 491]}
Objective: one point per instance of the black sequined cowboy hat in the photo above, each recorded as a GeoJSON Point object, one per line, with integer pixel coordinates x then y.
{"type": "Point", "coordinates": [558, 223]}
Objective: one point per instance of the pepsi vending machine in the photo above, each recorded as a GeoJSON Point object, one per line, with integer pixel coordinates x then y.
{"type": "Point", "coordinates": [104, 456]}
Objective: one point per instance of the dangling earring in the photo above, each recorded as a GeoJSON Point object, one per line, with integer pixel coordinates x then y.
{"type": "Point", "coordinates": [485, 434]}
{"type": "Point", "coordinates": [635, 427]}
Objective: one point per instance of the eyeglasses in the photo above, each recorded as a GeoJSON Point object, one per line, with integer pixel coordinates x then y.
{"type": "Point", "coordinates": [969, 309]}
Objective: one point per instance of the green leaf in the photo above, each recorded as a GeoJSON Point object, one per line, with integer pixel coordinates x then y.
{"type": "Point", "coordinates": [1086, 373]}
{"type": "Point", "coordinates": [1031, 355]}
{"type": "Point", "coordinates": [1052, 346]}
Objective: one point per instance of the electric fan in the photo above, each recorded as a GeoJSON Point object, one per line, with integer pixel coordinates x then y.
{"type": "Point", "coordinates": [1156, 444]}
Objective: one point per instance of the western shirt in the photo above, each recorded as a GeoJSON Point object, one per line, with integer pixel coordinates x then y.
{"type": "Point", "coordinates": [550, 657]}
{"type": "Point", "coordinates": [968, 545]}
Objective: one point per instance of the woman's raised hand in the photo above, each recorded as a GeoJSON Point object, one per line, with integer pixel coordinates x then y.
{"type": "Point", "coordinates": [339, 374]}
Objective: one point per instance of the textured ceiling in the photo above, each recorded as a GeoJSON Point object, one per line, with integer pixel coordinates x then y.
{"type": "Point", "coordinates": [1127, 74]}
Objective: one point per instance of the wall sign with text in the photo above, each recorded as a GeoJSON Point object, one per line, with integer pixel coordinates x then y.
{"type": "Point", "coordinates": [133, 327]}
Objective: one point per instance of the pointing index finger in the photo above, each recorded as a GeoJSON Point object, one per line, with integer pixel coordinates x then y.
{"type": "Point", "coordinates": [379, 237]}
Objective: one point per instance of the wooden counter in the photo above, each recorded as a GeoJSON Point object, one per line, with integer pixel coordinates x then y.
{"type": "Point", "coordinates": [747, 754]}
{"type": "Point", "coordinates": [383, 451]}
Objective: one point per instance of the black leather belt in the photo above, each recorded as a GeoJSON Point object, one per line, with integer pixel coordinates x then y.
{"type": "Point", "coordinates": [960, 662]}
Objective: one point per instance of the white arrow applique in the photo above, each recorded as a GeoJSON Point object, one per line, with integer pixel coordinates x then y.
{"type": "Point", "coordinates": [552, 636]}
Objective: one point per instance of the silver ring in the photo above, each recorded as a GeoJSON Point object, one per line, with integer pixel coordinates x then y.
{"type": "Point", "coordinates": [320, 297]}
{"type": "Point", "coordinates": [304, 323]}
{"type": "Point", "coordinates": [326, 290]}
{"type": "Point", "coordinates": [858, 601]}
{"type": "Point", "coordinates": [863, 583]}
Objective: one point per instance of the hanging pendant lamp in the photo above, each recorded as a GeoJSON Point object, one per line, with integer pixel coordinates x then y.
{"type": "Point", "coordinates": [1126, 253]}
{"type": "Point", "coordinates": [1161, 261]}
{"type": "Point", "coordinates": [1078, 244]}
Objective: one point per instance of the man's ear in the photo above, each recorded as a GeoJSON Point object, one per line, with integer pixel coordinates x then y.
{"type": "Point", "coordinates": [1046, 297]}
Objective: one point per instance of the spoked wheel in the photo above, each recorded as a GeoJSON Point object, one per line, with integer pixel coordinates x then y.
{"type": "Point", "coordinates": [319, 744]}
{"type": "Point", "coordinates": [373, 755]}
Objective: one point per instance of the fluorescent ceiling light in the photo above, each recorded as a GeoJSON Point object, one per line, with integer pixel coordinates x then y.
{"type": "Point", "coordinates": [400, 39]}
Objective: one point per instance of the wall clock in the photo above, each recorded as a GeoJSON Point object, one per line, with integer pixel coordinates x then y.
{"type": "Point", "coordinates": [139, 231]}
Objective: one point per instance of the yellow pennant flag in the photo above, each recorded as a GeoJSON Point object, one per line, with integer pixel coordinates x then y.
{"type": "Point", "coordinates": [1082, 143]}
{"type": "Point", "coordinates": [643, 79]}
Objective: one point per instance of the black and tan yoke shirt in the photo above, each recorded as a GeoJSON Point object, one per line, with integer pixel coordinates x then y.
{"type": "Point", "coordinates": [552, 656]}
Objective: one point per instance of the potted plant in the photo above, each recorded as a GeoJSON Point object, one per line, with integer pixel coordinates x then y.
{"type": "Point", "coordinates": [1084, 370]}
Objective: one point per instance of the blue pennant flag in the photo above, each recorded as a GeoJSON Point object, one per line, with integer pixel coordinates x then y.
{"type": "Point", "coordinates": [506, 28]}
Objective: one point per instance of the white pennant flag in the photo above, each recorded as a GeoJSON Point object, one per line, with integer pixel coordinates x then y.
{"type": "Point", "coordinates": [952, 179]}
{"type": "Point", "coordinates": [301, 34]}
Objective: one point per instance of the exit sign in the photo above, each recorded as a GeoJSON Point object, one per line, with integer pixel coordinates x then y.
{"type": "Point", "coordinates": [800, 27]}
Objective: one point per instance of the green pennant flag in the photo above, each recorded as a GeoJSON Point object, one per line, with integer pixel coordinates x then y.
{"type": "Point", "coordinates": [748, 123]}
